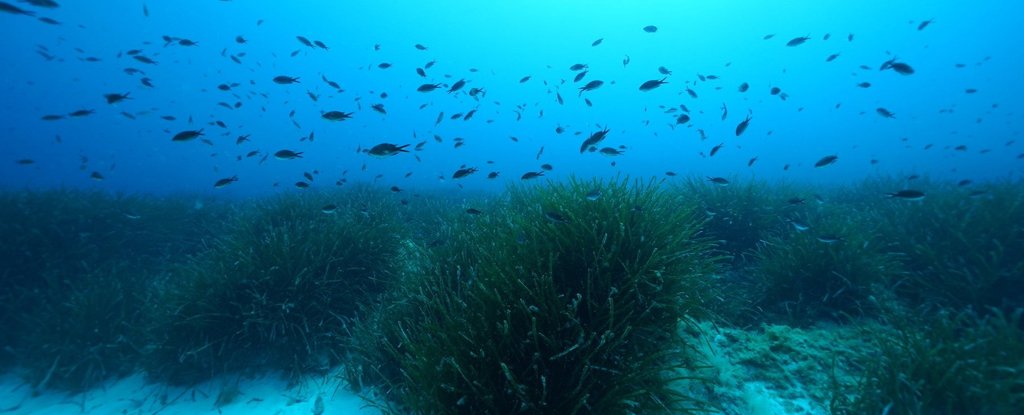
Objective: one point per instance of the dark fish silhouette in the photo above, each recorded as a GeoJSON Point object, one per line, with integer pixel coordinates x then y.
{"type": "Point", "coordinates": [797, 41]}
{"type": "Point", "coordinates": [826, 161]}
{"type": "Point", "coordinates": [654, 83]}
{"type": "Point", "coordinates": [742, 126]}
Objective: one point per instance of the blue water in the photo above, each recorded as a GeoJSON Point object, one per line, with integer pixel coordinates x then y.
{"type": "Point", "coordinates": [966, 46]}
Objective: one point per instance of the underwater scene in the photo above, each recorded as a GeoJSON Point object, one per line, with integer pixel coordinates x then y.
{"type": "Point", "coordinates": [511, 207]}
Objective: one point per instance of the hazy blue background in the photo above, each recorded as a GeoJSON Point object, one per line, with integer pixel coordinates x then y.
{"type": "Point", "coordinates": [506, 41]}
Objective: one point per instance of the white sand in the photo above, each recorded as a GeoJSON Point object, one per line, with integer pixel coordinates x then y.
{"type": "Point", "coordinates": [132, 395]}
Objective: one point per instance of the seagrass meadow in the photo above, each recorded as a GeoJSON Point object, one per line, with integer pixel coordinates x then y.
{"type": "Point", "coordinates": [531, 207]}
{"type": "Point", "coordinates": [614, 296]}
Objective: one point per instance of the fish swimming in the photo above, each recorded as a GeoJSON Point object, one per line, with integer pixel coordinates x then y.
{"type": "Point", "coordinates": [797, 41]}
{"type": "Point", "coordinates": [826, 161]}
{"type": "Point", "coordinates": [594, 138]}
{"type": "Point", "coordinates": [287, 155]}
{"type": "Point", "coordinates": [428, 87]}
{"type": "Point", "coordinates": [742, 126]}
{"type": "Point", "coordinates": [463, 172]}
{"type": "Point", "coordinates": [590, 86]}
{"type": "Point", "coordinates": [721, 181]}
{"type": "Point", "coordinates": [187, 135]}
{"type": "Point", "coordinates": [336, 115]}
{"type": "Point", "coordinates": [285, 80]}
{"type": "Point", "coordinates": [906, 195]}
{"type": "Point", "coordinates": [224, 182]}
{"type": "Point", "coordinates": [387, 150]}
{"type": "Point", "coordinates": [652, 84]}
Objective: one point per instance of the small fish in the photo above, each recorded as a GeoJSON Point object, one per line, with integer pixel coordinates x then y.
{"type": "Point", "coordinates": [387, 150]}
{"type": "Point", "coordinates": [593, 195]}
{"type": "Point", "coordinates": [885, 113]}
{"type": "Point", "coordinates": [285, 80]}
{"type": "Point", "coordinates": [329, 208]}
{"type": "Point", "coordinates": [531, 175]}
{"type": "Point", "coordinates": [594, 138]}
{"type": "Point", "coordinates": [826, 161]}
{"type": "Point", "coordinates": [428, 87]}
{"type": "Point", "coordinates": [579, 76]}
{"type": "Point", "coordinates": [96, 176]}
{"type": "Point", "coordinates": [664, 71]}
{"type": "Point", "coordinates": [831, 57]}
{"type": "Point", "coordinates": [493, 175]}
{"type": "Point", "coordinates": [899, 67]}
{"type": "Point", "coordinates": [650, 29]}
{"type": "Point", "coordinates": [144, 59]}
{"type": "Point", "coordinates": [590, 86]}
{"type": "Point", "coordinates": [715, 149]}
{"type": "Point", "coordinates": [384, 65]}
{"type": "Point", "coordinates": [597, 42]}
{"type": "Point", "coordinates": [924, 24]}
{"type": "Point", "coordinates": [463, 172]}
{"type": "Point", "coordinates": [652, 84]}
{"type": "Point", "coordinates": [829, 239]}
{"type": "Point", "coordinates": [224, 182]}
{"type": "Point", "coordinates": [744, 87]}
{"type": "Point", "coordinates": [187, 135]}
{"type": "Point", "coordinates": [524, 79]}
{"type": "Point", "coordinates": [457, 86]}
{"type": "Point", "coordinates": [611, 152]}
{"type": "Point", "coordinates": [721, 181]}
{"type": "Point", "coordinates": [81, 113]}
{"type": "Point", "coordinates": [906, 195]}
{"type": "Point", "coordinates": [25, 162]}
{"type": "Point", "coordinates": [864, 85]}
{"type": "Point", "coordinates": [115, 98]}
{"type": "Point", "coordinates": [742, 126]}
{"type": "Point", "coordinates": [336, 115]}
{"type": "Point", "coordinates": [800, 227]}
{"type": "Point", "coordinates": [287, 155]}
{"type": "Point", "coordinates": [797, 41]}
{"type": "Point", "coordinates": [473, 211]}
{"type": "Point", "coordinates": [555, 217]}
{"type": "Point", "coordinates": [379, 108]}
